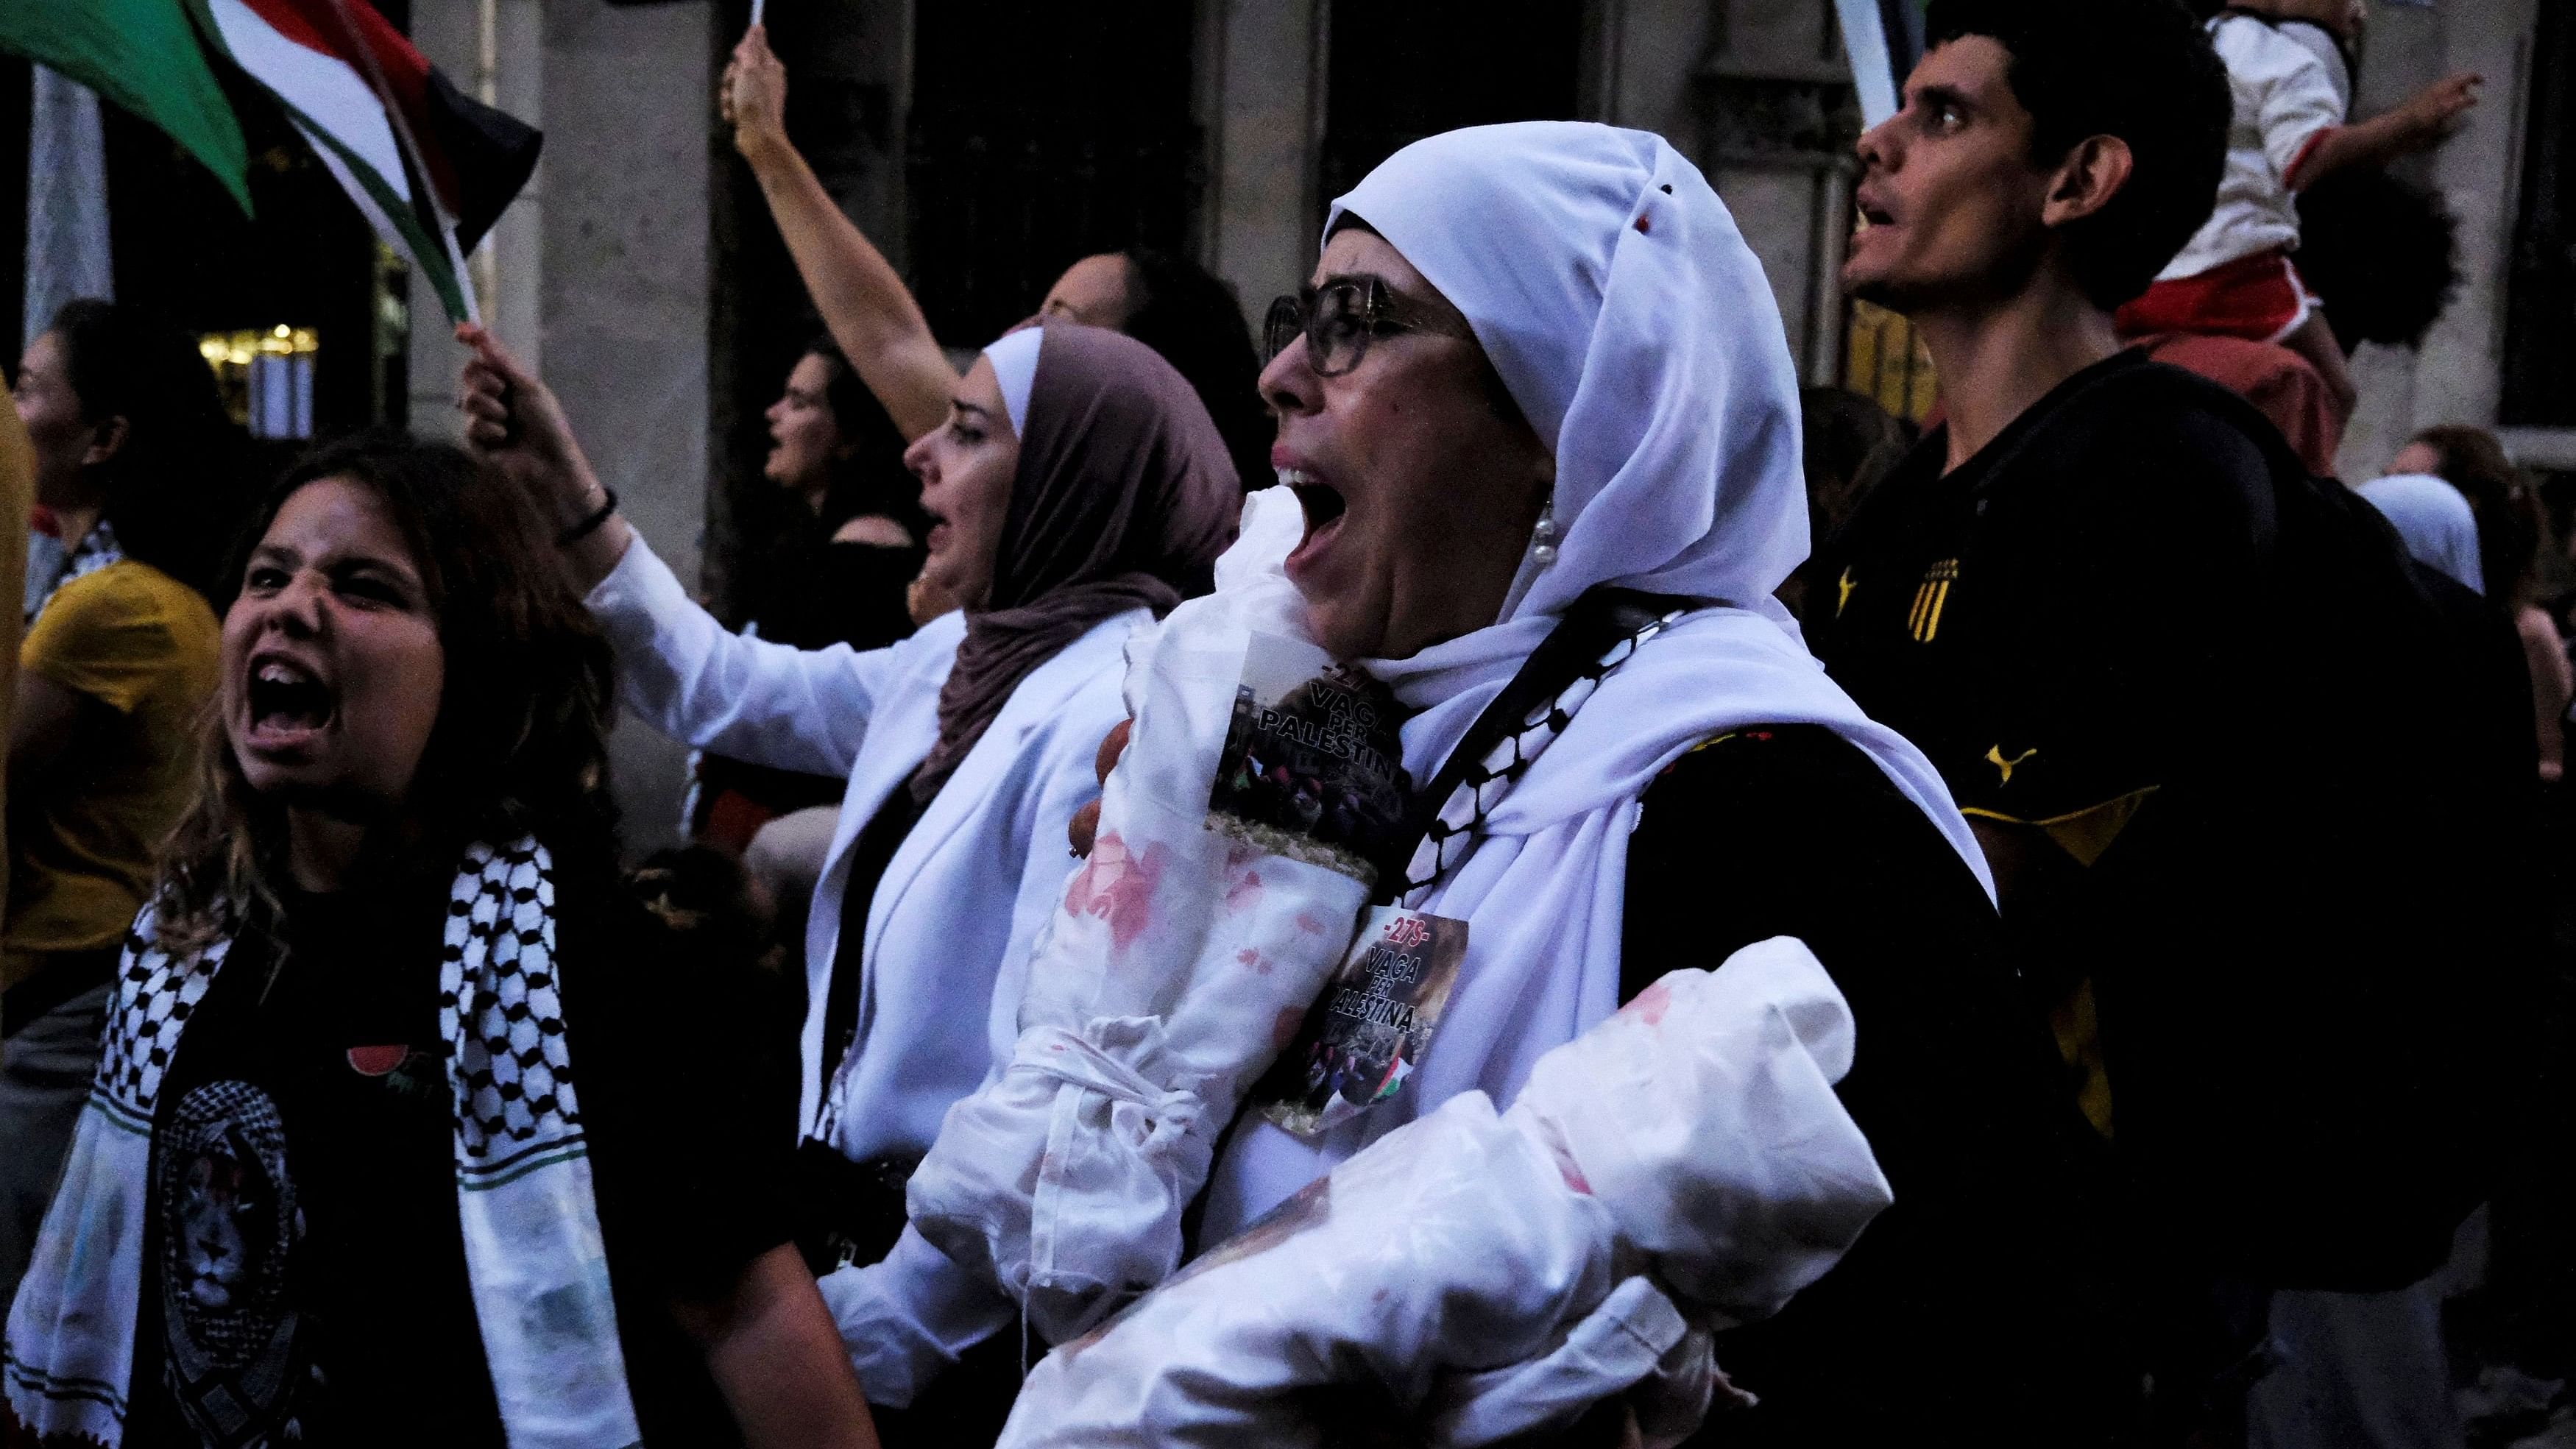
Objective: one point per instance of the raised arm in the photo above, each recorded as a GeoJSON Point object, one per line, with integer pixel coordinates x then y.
{"type": "Point", "coordinates": [2426, 120]}
{"type": "Point", "coordinates": [870, 312]}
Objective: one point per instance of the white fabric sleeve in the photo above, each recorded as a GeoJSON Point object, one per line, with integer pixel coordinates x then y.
{"type": "Point", "coordinates": [905, 1320]}
{"type": "Point", "coordinates": [2300, 101]}
{"type": "Point", "coordinates": [766, 704]}
{"type": "Point", "coordinates": [2313, 39]}
{"type": "Point", "coordinates": [1479, 1267]}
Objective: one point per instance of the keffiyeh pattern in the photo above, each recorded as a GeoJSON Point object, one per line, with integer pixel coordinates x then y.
{"type": "Point", "coordinates": [513, 1072]}
{"type": "Point", "coordinates": [533, 1251]}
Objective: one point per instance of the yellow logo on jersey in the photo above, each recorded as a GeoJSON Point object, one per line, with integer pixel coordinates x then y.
{"type": "Point", "coordinates": [1846, 584]}
{"type": "Point", "coordinates": [1929, 599]}
{"type": "Point", "coordinates": [1995, 757]}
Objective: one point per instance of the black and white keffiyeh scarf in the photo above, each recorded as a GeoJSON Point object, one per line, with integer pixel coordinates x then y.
{"type": "Point", "coordinates": [533, 1251]}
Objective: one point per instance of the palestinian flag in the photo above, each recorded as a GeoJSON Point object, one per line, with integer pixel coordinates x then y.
{"type": "Point", "coordinates": [430, 166]}
{"type": "Point", "coordinates": [141, 55]}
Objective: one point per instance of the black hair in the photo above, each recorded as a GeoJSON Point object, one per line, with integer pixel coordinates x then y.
{"type": "Point", "coordinates": [2381, 252]}
{"type": "Point", "coordinates": [870, 478]}
{"type": "Point", "coordinates": [1191, 317]}
{"type": "Point", "coordinates": [175, 486]}
{"type": "Point", "coordinates": [2140, 70]}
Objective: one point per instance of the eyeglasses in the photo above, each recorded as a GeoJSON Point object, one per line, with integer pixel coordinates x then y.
{"type": "Point", "coordinates": [1339, 319]}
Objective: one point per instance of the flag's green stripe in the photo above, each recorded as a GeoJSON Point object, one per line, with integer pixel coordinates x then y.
{"type": "Point", "coordinates": [143, 55]}
{"type": "Point", "coordinates": [426, 252]}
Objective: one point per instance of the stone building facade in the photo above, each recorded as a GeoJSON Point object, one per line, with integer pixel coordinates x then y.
{"type": "Point", "coordinates": [639, 271]}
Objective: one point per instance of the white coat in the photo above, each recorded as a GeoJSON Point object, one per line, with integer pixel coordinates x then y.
{"type": "Point", "coordinates": [953, 918]}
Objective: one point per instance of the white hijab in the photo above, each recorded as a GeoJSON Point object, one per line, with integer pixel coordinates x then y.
{"type": "Point", "coordinates": [1626, 316]}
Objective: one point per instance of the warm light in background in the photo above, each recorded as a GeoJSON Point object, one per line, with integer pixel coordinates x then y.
{"type": "Point", "coordinates": [266, 377]}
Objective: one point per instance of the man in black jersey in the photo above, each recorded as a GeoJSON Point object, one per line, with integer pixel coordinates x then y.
{"type": "Point", "coordinates": [2049, 595]}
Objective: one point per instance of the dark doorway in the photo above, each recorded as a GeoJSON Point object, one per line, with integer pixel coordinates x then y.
{"type": "Point", "coordinates": [2540, 312]}
{"type": "Point", "coordinates": [1042, 133]}
{"type": "Point", "coordinates": [1400, 70]}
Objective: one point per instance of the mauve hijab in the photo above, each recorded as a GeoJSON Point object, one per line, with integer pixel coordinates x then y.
{"type": "Point", "coordinates": [1124, 497]}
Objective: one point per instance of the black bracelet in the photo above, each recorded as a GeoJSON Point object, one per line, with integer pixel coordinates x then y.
{"type": "Point", "coordinates": [590, 525]}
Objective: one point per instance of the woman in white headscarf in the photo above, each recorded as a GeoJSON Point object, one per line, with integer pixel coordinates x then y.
{"type": "Point", "coordinates": [1538, 364]}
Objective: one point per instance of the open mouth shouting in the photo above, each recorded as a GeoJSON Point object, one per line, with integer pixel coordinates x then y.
{"type": "Point", "coordinates": [1325, 510]}
{"type": "Point", "coordinates": [936, 541]}
{"type": "Point", "coordinates": [288, 703]}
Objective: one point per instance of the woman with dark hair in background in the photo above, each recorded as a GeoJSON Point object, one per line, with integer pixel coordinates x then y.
{"type": "Point", "coordinates": [131, 447]}
{"type": "Point", "coordinates": [1173, 306]}
{"type": "Point", "coordinates": [417, 1126]}
{"type": "Point", "coordinates": [842, 580]}
{"type": "Point", "coordinates": [837, 572]}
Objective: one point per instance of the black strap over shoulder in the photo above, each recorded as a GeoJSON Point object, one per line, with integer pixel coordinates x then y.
{"type": "Point", "coordinates": [1590, 629]}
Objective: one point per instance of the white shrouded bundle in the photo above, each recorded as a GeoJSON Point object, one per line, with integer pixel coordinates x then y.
{"type": "Point", "coordinates": [1680, 1168]}
{"type": "Point", "coordinates": [1178, 963]}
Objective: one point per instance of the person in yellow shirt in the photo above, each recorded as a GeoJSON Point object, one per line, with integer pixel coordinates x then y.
{"type": "Point", "coordinates": [129, 446]}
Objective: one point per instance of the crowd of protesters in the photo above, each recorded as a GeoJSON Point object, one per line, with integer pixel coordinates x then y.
{"type": "Point", "coordinates": [2172, 839]}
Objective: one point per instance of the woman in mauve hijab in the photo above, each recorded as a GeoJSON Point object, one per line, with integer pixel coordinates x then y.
{"type": "Point", "coordinates": [1076, 493]}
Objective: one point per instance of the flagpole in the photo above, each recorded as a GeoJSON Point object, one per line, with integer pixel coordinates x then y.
{"type": "Point", "coordinates": [440, 221]}
{"type": "Point", "coordinates": [1865, 42]}
{"type": "Point", "coordinates": [757, 8]}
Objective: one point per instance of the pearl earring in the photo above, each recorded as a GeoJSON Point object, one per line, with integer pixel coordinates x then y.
{"type": "Point", "coordinates": [1543, 537]}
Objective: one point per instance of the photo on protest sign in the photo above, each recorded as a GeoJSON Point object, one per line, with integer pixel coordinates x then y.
{"type": "Point", "coordinates": [1367, 1031]}
{"type": "Point", "coordinates": [1313, 765]}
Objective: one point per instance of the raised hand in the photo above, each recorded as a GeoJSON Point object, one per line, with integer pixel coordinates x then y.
{"type": "Point", "coordinates": [753, 96]}
{"type": "Point", "coordinates": [2434, 112]}
{"type": "Point", "coordinates": [515, 425]}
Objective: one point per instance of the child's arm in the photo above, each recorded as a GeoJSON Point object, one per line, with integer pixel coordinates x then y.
{"type": "Point", "coordinates": [2425, 121]}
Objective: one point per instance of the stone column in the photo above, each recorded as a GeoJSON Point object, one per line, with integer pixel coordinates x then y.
{"type": "Point", "coordinates": [1758, 95]}
{"type": "Point", "coordinates": [1643, 59]}
{"type": "Point", "coordinates": [67, 255]}
{"type": "Point", "coordinates": [598, 273]}
{"type": "Point", "coordinates": [622, 287]}
{"type": "Point", "coordinates": [491, 49]}
{"type": "Point", "coordinates": [1262, 90]}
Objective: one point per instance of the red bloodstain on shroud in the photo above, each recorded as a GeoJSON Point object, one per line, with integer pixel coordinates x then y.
{"type": "Point", "coordinates": [1650, 1005]}
{"type": "Point", "coordinates": [1118, 887]}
